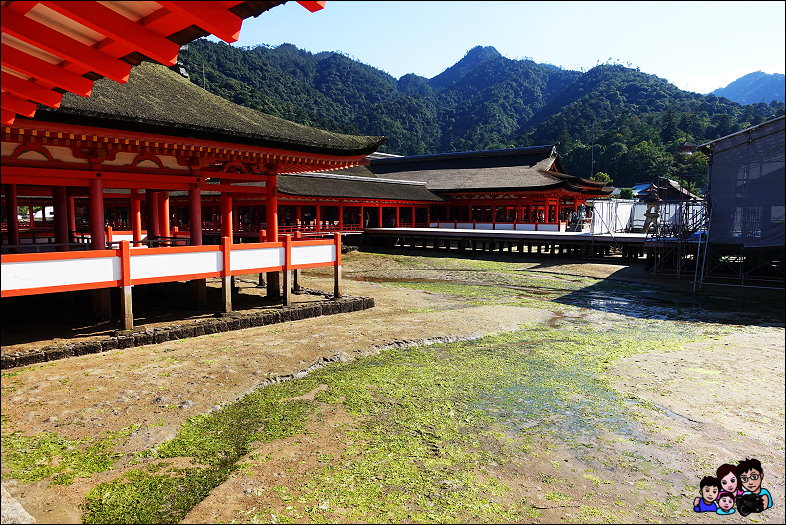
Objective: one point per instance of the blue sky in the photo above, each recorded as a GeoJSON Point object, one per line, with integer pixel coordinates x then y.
{"type": "Point", "coordinates": [698, 46]}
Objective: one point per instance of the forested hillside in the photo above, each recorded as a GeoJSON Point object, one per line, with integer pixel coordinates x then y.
{"type": "Point", "coordinates": [485, 101]}
{"type": "Point", "coordinates": [754, 87]}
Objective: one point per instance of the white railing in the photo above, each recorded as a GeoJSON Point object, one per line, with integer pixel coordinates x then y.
{"type": "Point", "coordinates": [38, 273]}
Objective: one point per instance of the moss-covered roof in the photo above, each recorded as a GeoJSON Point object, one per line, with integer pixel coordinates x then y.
{"type": "Point", "coordinates": [530, 168]}
{"type": "Point", "coordinates": [158, 100]}
{"type": "Point", "coordinates": [336, 186]}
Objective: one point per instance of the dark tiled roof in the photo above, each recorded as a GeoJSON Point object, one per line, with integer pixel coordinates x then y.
{"type": "Point", "coordinates": [355, 171]}
{"type": "Point", "coordinates": [158, 100]}
{"type": "Point", "coordinates": [532, 168]}
{"type": "Point", "coordinates": [330, 186]}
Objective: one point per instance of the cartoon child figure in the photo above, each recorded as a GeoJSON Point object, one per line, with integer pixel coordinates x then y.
{"type": "Point", "coordinates": [709, 489]}
{"type": "Point", "coordinates": [725, 503]}
{"type": "Point", "coordinates": [751, 475]}
{"type": "Point", "coordinates": [727, 475]}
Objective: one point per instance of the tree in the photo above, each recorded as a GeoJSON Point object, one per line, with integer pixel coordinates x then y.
{"type": "Point", "coordinates": [601, 177]}
{"type": "Point", "coordinates": [626, 193]}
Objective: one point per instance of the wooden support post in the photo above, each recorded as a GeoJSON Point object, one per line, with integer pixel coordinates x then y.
{"type": "Point", "coordinates": [271, 210]}
{"type": "Point", "coordinates": [198, 286]}
{"type": "Point", "coordinates": [12, 214]}
{"type": "Point", "coordinates": [61, 216]}
{"type": "Point", "coordinates": [151, 202]}
{"type": "Point", "coordinates": [71, 213]}
{"type": "Point", "coordinates": [296, 272]}
{"type": "Point", "coordinates": [101, 299]}
{"type": "Point", "coordinates": [126, 303]}
{"type": "Point", "coordinates": [337, 268]}
{"type": "Point", "coordinates": [195, 215]}
{"type": "Point", "coordinates": [136, 217]}
{"type": "Point", "coordinates": [226, 217]}
{"type": "Point", "coordinates": [287, 299]}
{"type": "Point", "coordinates": [226, 278]}
{"type": "Point", "coordinates": [398, 217]}
{"type": "Point", "coordinates": [379, 217]}
{"type": "Point", "coordinates": [340, 217]}
{"type": "Point", "coordinates": [163, 214]}
{"type": "Point", "coordinates": [97, 238]}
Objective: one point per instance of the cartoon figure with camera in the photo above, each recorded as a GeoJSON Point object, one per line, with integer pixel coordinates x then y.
{"type": "Point", "coordinates": [755, 498]}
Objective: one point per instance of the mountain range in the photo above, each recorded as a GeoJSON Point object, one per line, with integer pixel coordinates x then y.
{"type": "Point", "coordinates": [613, 119]}
{"type": "Point", "coordinates": [754, 87]}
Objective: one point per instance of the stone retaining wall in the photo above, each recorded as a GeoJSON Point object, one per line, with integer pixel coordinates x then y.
{"type": "Point", "coordinates": [224, 323]}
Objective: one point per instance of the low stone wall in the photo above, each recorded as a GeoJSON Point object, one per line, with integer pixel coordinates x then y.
{"type": "Point", "coordinates": [224, 323]}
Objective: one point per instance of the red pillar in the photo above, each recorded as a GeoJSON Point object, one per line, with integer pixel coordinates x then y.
{"type": "Point", "coordinates": [136, 217]}
{"type": "Point", "coordinates": [362, 218]}
{"type": "Point", "coordinates": [318, 217]}
{"type": "Point", "coordinates": [71, 213]}
{"type": "Point", "coordinates": [398, 216]}
{"type": "Point", "coordinates": [11, 211]}
{"type": "Point", "coordinates": [226, 217]}
{"type": "Point", "coordinates": [61, 215]}
{"type": "Point", "coordinates": [379, 214]}
{"type": "Point", "coordinates": [163, 213]}
{"type": "Point", "coordinates": [195, 214]}
{"type": "Point", "coordinates": [271, 209]}
{"type": "Point", "coordinates": [151, 200]}
{"type": "Point", "coordinates": [340, 217]}
{"type": "Point", "coordinates": [97, 235]}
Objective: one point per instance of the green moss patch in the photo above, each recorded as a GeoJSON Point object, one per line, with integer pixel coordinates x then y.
{"type": "Point", "coordinates": [51, 456]}
{"type": "Point", "coordinates": [215, 442]}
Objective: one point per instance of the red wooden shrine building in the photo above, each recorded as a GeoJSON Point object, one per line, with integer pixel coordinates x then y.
{"type": "Point", "coordinates": [75, 151]}
{"type": "Point", "coordinates": [518, 188]}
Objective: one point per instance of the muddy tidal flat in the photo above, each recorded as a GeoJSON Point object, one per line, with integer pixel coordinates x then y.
{"type": "Point", "coordinates": [475, 391]}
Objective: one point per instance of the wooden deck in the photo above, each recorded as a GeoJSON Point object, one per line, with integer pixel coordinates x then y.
{"type": "Point", "coordinates": [585, 244]}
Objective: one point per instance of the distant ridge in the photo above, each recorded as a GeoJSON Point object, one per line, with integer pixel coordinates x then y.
{"type": "Point", "coordinates": [474, 57]}
{"type": "Point", "coordinates": [754, 87]}
{"type": "Point", "coordinates": [614, 119]}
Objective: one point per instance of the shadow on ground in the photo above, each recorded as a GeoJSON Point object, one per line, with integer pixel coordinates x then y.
{"type": "Point", "coordinates": [34, 318]}
{"type": "Point", "coordinates": [679, 303]}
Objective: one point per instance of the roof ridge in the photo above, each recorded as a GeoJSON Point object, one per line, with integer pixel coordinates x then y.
{"type": "Point", "coordinates": [466, 154]}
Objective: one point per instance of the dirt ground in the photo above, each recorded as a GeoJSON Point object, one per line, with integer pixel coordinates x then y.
{"type": "Point", "coordinates": [716, 399]}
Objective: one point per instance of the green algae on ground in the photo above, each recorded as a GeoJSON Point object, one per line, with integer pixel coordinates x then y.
{"type": "Point", "coordinates": [51, 456]}
{"type": "Point", "coordinates": [215, 442]}
{"type": "Point", "coordinates": [429, 417]}
{"type": "Point", "coordinates": [428, 428]}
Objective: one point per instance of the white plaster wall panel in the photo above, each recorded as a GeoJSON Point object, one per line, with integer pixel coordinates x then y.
{"type": "Point", "coordinates": [484, 226]}
{"type": "Point", "coordinates": [525, 227]}
{"type": "Point", "coordinates": [8, 148]}
{"type": "Point", "coordinates": [169, 161]}
{"type": "Point", "coordinates": [123, 158]}
{"type": "Point", "coordinates": [147, 163]}
{"type": "Point", "coordinates": [33, 155]}
{"type": "Point", "coordinates": [259, 258]}
{"type": "Point", "coordinates": [169, 264]}
{"type": "Point", "coordinates": [38, 274]}
{"type": "Point", "coordinates": [64, 154]}
{"type": "Point", "coordinates": [504, 226]}
{"type": "Point", "coordinates": [433, 225]}
{"type": "Point", "coordinates": [464, 225]}
{"type": "Point", "coordinates": [313, 254]}
{"type": "Point", "coordinates": [548, 227]}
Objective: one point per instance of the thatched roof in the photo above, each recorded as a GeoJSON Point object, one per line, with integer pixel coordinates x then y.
{"type": "Point", "coordinates": [159, 100]}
